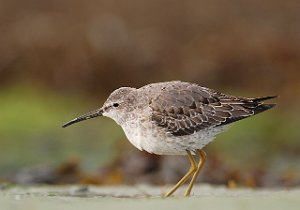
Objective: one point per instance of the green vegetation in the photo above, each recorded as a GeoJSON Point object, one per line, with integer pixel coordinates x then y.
{"type": "Point", "coordinates": [31, 133]}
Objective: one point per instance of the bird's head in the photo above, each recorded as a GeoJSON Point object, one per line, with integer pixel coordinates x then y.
{"type": "Point", "coordinates": [117, 106]}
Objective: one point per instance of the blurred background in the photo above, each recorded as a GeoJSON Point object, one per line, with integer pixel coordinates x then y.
{"type": "Point", "coordinates": [60, 59]}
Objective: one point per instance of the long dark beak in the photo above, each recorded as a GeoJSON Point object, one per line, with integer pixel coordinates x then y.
{"type": "Point", "coordinates": [86, 116]}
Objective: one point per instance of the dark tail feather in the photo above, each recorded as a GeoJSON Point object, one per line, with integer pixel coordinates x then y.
{"type": "Point", "coordinates": [263, 107]}
{"type": "Point", "coordinates": [264, 98]}
{"type": "Point", "coordinates": [256, 105]}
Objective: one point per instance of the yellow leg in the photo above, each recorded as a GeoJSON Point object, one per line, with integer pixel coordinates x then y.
{"type": "Point", "coordinates": [191, 171]}
{"type": "Point", "coordinates": [202, 158]}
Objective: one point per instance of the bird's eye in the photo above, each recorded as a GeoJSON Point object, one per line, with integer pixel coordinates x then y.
{"type": "Point", "coordinates": [115, 105]}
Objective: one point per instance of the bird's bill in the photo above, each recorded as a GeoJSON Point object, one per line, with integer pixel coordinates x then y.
{"type": "Point", "coordinates": [86, 116]}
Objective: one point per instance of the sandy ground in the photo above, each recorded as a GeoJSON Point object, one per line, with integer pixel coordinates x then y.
{"type": "Point", "coordinates": [144, 197]}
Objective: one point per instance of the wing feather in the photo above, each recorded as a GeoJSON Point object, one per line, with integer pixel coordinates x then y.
{"type": "Point", "coordinates": [185, 108]}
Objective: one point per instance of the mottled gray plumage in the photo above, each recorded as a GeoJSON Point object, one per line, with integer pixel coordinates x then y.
{"type": "Point", "coordinates": [185, 108]}
{"type": "Point", "coordinates": [175, 118]}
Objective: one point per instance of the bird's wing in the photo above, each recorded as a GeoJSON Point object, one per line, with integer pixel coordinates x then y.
{"type": "Point", "coordinates": [185, 108]}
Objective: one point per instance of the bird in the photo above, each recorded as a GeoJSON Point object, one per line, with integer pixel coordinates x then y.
{"type": "Point", "coordinates": [176, 118]}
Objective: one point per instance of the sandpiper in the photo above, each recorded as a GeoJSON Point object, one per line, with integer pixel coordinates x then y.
{"type": "Point", "coordinates": [175, 118]}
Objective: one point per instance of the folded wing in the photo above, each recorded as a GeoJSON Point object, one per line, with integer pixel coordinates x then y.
{"type": "Point", "coordinates": [185, 108]}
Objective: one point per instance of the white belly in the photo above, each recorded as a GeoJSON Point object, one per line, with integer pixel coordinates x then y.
{"type": "Point", "coordinates": [154, 139]}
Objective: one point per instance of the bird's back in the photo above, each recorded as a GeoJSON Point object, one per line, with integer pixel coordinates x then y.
{"type": "Point", "coordinates": [184, 108]}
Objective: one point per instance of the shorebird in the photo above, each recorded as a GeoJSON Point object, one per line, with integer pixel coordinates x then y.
{"type": "Point", "coordinates": [175, 118]}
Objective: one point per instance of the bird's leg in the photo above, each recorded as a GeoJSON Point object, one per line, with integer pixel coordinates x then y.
{"type": "Point", "coordinates": [202, 158]}
{"type": "Point", "coordinates": [192, 170]}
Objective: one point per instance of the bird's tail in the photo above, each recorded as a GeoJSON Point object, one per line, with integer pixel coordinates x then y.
{"type": "Point", "coordinates": [261, 105]}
